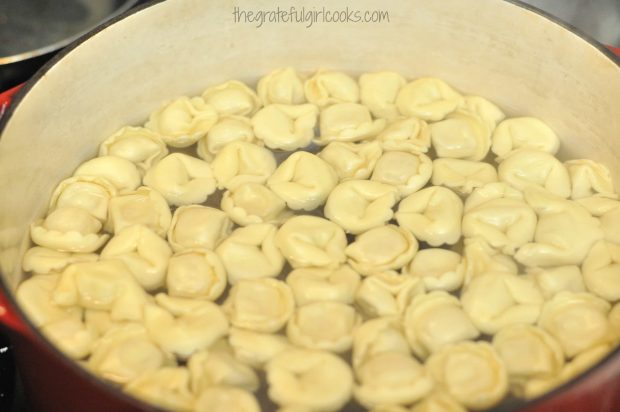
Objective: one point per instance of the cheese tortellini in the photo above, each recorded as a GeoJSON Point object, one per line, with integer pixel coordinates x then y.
{"type": "Point", "coordinates": [286, 127]}
{"type": "Point", "coordinates": [428, 98]}
{"type": "Point", "coordinates": [321, 284]}
{"type": "Point", "coordinates": [329, 87]}
{"type": "Point", "coordinates": [523, 133]}
{"type": "Point", "coordinates": [601, 270]}
{"type": "Point", "coordinates": [589, 178]}
{"type": "Point", "coordinates": [251, 203]}
{"type": "Point", "coordinates": [378, 92]}
{"type": "Point", "coordinates": [387, 293]}
{"type": "Point", "coordinates": [144, 206]}
{"type": "Point", "coordinates": [140, 146]}
{"type": "Point", "coordinates": [352, 160]}
{"type": "Point", "coordinates": [196, 273]}
{"type": "Point", "coordinates": [122, 173]}
{"type": "Point", "coordinates": [232, 98]}
{"type": "Point", "coordinates": [281, 86]}
{"type": "Point", "coordinates": [196, 226]}
{"type": "Point", "coordinates": [408, 172]}
{"type": "Point", "coordinates": [90, 193]}
{"type": "Point", "coordinates": [408, 134]}
{"type": "Point", "coordinates": [439, 269]}
{"type": "Point", "coordinates": [242, 162]}
{"type": "Point", "coordinates": [347, 122]}
{"type": "Point", "coordinates": [227, 129]}
{"type": "Point", "coordinates": [462, 175]}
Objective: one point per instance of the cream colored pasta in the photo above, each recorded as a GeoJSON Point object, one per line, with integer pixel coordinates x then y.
{"type": "Point", "coordinates": [184, 326]}
{"type": "Point", "coordinates": [240, 162]}
{"type": "Point", "coordinates": [69, 229]}
{"type": "Point", "coordinates": [461, 135]}
{"type": "Point", "coordinates": [523, 133]}
{"type": "Point", "coordinates": [121, 173]}
{"type": "Point", "coordinates": [144, 206]}
{"type": "Point", "coordinates": [90, 193]}
{"type": "Point", "coordinates": [209, 368]}
{"type": "Point", "coordinates": [196, 226]}
{"type": "Point", "coordinates": [360, 205]}
{"type": "Point", "coordinates": [181, 179]}
{"type": "Point", "coordinates": [389, 408]}
{"type": "Point", "coordinates": [145, 254]}
{"type": "Point", "coordinates": [391, 378]}
{"type": "Point", "coordinates": [614, 321]}
{"type": "Point", "coordinates": [283, 86]}
{"type": "Point", "coordinates": [553, 280]}
{"type": "Point", "coordinates": [347, 122]}
{"type": "Point", "coordinates": [43, 261]}
{"type": "Point", "coordinates": [427, 98]}
{"type": "Point", "coordinates": [71, 336]}
{"type": "Point", "coordinates": [310, 241]}
{"type": "Point", "coordinates": [378, 92]}
{"type": "Point", "coordinates": [491, 191]}
{"type": "Point", "coordinates": [327, 87]}
{"type": "Point", "coordinates": [352, 160]}
{"type": "Point", "coordinates": [439, 269]}
{"type": "Point", "coordinates": [486, 111]}
{"type": "Point", "coordinates": [601, 270]}
{"type": "Point", "coordinates": [260, 305]}
{"type": "Point", "coordinates": [255, 348]}
{"type": "Point", "coordinates": [433, 215]}
{"type": "Point", "coordinates": [435, 320]}
{"type": "Point", "coordinates": [323, 325]}
{"type": "Point", "coordinates": [589, 178]}
{"type": "Point", "coordinates": [140, 146]}
{"type": "Point", "coordinates": [35, 297]}
{"type": "Point", "coordinates": [183, 121]}
{"type": "Point", "coordinates": [232, 98]}
{"type": "Point", "coordinates": [196, 273]}
{"type": "Point", "coordinates": [438, 401]}
{"type": "Point", "coordinates": [461, 175]}
{"type": "Point", "coordinates": [314, 379]}
{"type": "Point", "coordinates": [608, 212]}
{"type": "Point", "coordinates": [303, 180]}
{"type": "Point", "coordinates": [225, 399]}
{"type": "Point", "coordinates": [470, 372]}
{"type": "Point", "coordinates": [321, 284]}
{"type": "Point", "coordinates": [480, 258]}
{"type": "Point", "coordinates": [251, 203]}
{"type": "Point", "coordinates": [286, 127]}
{"type": "Point", "coordinates": [375, 336]}
{"type": "Point", "coordinates": [167, 387]}
{"type": "Point", "coordinates": [407, 171]}
{"type": "Point", "coordinates": [387, 293]}
{"type": "Point", "coordinates": [527, 167]}
{"type": "Point", "coordinates": [496, 300]}
{"type": "Point", "coordinates": [100, 321]}
{"type": "Point", "coordinates": [577, 320]}
{"type": "Point", "coordinates": [408, 134]}
{"type": "Point", "coordinates": [380, 249]}
{"type": "Point", "coordinates": [227, 130]}
{"type": "Point", "coordinates": [251, 252]}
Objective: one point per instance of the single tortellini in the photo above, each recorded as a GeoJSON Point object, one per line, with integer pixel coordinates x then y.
{"type": "Point", "coordinates": [328, 87]}
{"type": "Point", "coordinates": [181, 179]}
{"type": "Point", "coordinates": [69, 229]}
{"type": "Point", "coordinates": [167, 387]}
{"type": "Point", "coordinates": [183, 121]}
{"type": "Point", "coordinates": [505, 224]}
{"type": "Point", "coordinates": [428, 98]}
{"type": "Point", "coordinates": [435, 320]}
{"type": "Point", "coordinates": [461, 135]}
{"type": "Point", "coordinates": [286, 127]}
{"type": "Point", "coordinates": [321, 284]}
{"type": "Point", "coordinates": [463, 176]}
{"type": "Point", "coordinates": [308, 378]}
{"type": "Point", "coordinates": [380, 249]}
{"type": "Point", "coordinates": [470, 372]}
{"type": "Point", "coordinates": [196, 273]}
{"type": "Point", "coordinates": [71, 336]}
{"type": "Point", "coordinates": [184, 326]}
{"type": "Point", "coordinates": [589, 178]}
{"type": "Point", "coordinates": [90, 193]}
{"type": "Point", "coordinates": [407, 171]}
{"type": "Point", "coordinates": [491, 191]}
{"type": "Point", "coordinates": [486, 111]}
{"type": "Point", "coordinates": [495, 300]}
{"type": "Point", "coordinates": [260, 305]}
{"type": "Point", "coordinates": [145, 254]}
{"type": "Point", "coordinates": [35, 297]}
{"type": "Point", "coordinates": [408, 134]}
{"type": "Point", "coordinates": [225, 399]}
{"type": "Point", "coordinates": [212, 368]}
{"type": "Point", "coordinates": [311, 241]}
{"type": "Point", "coordinates": [352, 160]}
{"type": "Point", "coordinates": [391, 378]}
{"type": "Point", "coordinates": [232, 98]}
{"type": "Point", "coordinates": [601, 270]}
{"type": "Point", "coordinates": [144, 206]}
{"type": "Point", "coordinates": [251, 252]}
{"type": "Point", "coordinates": [376, 336]}
{"type": "Point", "coordinates": [438, 401]}
{"type": "Point", "coordinates": [227, 130]}
{"type": "Point", "coordinates": [251, 203]}
{"type": "Point", "coordinates": [387, 293]}
{"type": "Point", "coordinates": [141, 146]}
{"type": "Point", "coordinates": [43, 261]}
{"type": "Point", "coordinates": [528, 352]}
{"type": "Point", "coordinates": [105, 285]}
{"type": "Point", "coordinates": [100, 321]}
{"type": "Point", "coordinates": [439, 269]}
{"type": "Point", "coordinates": [126, 352]}
{"type": "Point", "coordinates": [303, 181]}
{"type": "Point", "coordinates": [608, 212]}
{"type": "Point", "coordinates": [530, 167]}
{"type": "Point", "coordinates": [281, 86]}
{"type": "Point", "coordinates": [433, 215]}
{"type": "Point", "coordinates": [577, 320]}
{"type": "Point", "coordinates": [255, 348]}
{"type": "Point", "coordinates": [480, 258]}
{"type": "Point", "coordinates": [323, 325]}
{"type": "Point", "coordinates": [378, 92]}
{"type": "Point", "coordinates": [553, 280]}
{"type": "Point", "coordinates": [121, 173]}
{"type": "Point", "coordinates": [347, 122]}
{"type": "Point", "coordinates": [360, 205]}
{"type": "Point", "coordinates": [196, 226]}
{"type": "Point", "coordinates": [523, 133]}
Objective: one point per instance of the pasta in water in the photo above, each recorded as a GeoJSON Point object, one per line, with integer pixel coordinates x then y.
{"type": "Point", "coordinates": [122, 173]}
{"type": "Point", "coordinates": [551, 281]}
{"type": "Point", "coordinates": [408, 172]}
{"type": "Point", "coordinates": [376, 336]}
{"type": "Point", "coordinates": [196, 273]}
{"type": "Point", "coordinates": [195, 226]}
{"type": "Point", "coordinates": [387, 293]}
{"type": "Point", "coordinates": [281, 86]}
{"type": "Point", "coordinates": [408, 134]}
{"type": "Point", "coordinates": [347, 122]}
{"type": "Point", "coordinates": [144, 206]}
{"type": "Point", "coordinates": [286, 127]}
{"type": "Point", "coordinates": [461, 175]}
{"type": "Point", "coordinates": [320, 284]}
{"type": "Point", "coordinates": [227, 129]}
{"type": "Point", "coordinates": [140, 146]}
{"type": "Point", "coordinates": [601, 270]}
{"type": "Point", "coordinates": [589, 178]}
{"type": "Point", "coordinates": [251, 203]}
{"type": "Point", "coordinates": [232, 98]}
{"type": "Point", "coordinates": [242, 162]}
{"type": "Point", "coordinates": [255, 348]}
{"type": "Point", "coordinates": [209, 368]}
{"type": "Point", "coordinates": [168, 386]}
{"type": "Point", "coordinates": [461, 135]}
{"type": "Point", "coordinates": [378, 92]}
{"type": "Point", "coordinates": [44, 261]}
{"type": "Point", "coordinates": [352, 160]}
{"type": "Point", "coordinates": [427, 98]}
{"type": "Point", "coordinates": [329, 87]}
{"type": "Point", "coordinates": [523, 133]}
{"type": "Point", "coordinates": [224, 399]}
{"type": "Point", "coordinates": [439, 269]}
{"type": "Point", "coordinates": [92, 194]}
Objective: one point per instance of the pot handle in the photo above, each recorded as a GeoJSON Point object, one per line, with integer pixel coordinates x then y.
{"type": "Point", "coordinates": [6, 97]}
{"type": "Point", "coordinates": [10, 319]}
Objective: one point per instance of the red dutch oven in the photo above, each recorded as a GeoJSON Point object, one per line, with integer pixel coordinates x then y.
{"type": "Point", "coordinates": [516, 56]}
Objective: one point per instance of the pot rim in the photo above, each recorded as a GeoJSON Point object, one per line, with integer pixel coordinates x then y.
{"type": "Point", "coordinates": [116, 391]}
